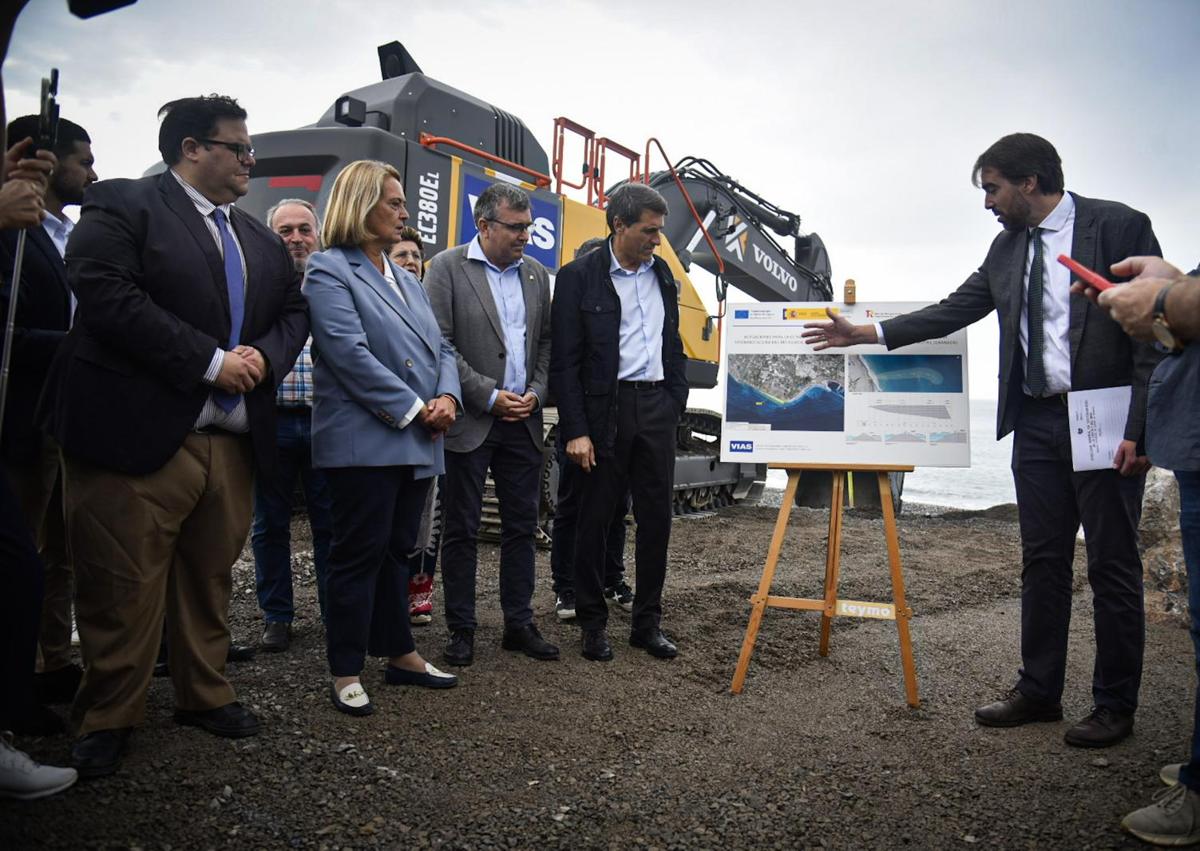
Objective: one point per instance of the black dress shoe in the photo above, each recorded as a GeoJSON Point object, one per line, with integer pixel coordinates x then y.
{"type": "Point", "coordinates": [1103, 727]}
{"type": "Point", "coordinates": [277, 637]}
{"type": "Point", "coordinates": [529, 641]}
{"type": "Point", "coordinates": [596, 646]}
{"type": "Point", "coordinates": [98, 753]}
{"type": "Point", "coordinates": [240, 652]}
{"type": "Point", "coordinates": [233, 721]}
{"type": "Point", "coordinates": [653, 642]}
{"type": "Point", "coordinates": [57, 686]}
{"type": "Point", "coordinates": [460, 649]}
{"type": "Point", "coordinates": [1015, 709]}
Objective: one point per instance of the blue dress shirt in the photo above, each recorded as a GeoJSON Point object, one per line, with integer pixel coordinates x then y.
{"type": "Point", "coordinates": [642, 317]}
{"type": "Point", "coordinates": [509, 297]}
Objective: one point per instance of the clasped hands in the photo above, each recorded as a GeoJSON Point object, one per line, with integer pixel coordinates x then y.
{"type": "Point", "coordinates": [438, 415]}
{"type": "Point", "coordinates": [242, 370]}
{"type": "Point", "coordinates": [510, 407]}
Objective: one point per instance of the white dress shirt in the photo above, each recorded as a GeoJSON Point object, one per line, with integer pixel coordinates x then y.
{"type": "Point", "coordinates": [213, 414]}
{"type": "Point", "coordinates": [59, 230]}
{"type": "Point", "coordinates": [1058, 231]}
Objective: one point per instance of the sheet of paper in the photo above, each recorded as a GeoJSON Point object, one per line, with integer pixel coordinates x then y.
{"type": "Point", "coordinates": [1097, 426]}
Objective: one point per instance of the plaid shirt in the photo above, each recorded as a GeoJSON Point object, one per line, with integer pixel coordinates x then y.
{"type": "Point", "coordinates": [296, 391]}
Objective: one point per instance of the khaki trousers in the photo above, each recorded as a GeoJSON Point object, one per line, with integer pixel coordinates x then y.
{"type": "Point", "coordinates": [145, 546]}
{"type": "Point", "coordinates": [37, 483]}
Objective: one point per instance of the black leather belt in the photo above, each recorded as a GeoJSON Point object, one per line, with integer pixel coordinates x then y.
{"type": "Point", "coordinates": [1061, 398]}
{"type": "Point", "coordinates": [295, 410]}
{"type": "Point", "coordinates": [640, 385]}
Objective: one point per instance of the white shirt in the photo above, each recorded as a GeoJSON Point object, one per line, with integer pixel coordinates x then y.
{"type": "Point", "coordinates": [1058, 230]}
{"type": "Point", "coordinates": [59, 230]}
{"type": "Point", "coordinates": [213, 414]}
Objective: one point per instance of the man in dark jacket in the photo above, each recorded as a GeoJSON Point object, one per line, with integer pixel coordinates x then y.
{"type": "Point", "coordinates": [1051, 344]}
{"type": "Point", "coordinates": [43, 316]}
{"type": "Point", "coordinates": [162, 398]}
{"type": "Point", "coordinates": [618, 370]}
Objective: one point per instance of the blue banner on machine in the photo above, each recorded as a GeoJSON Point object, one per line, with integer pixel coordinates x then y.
{"type": "Point", "coordinates": [547, 221]}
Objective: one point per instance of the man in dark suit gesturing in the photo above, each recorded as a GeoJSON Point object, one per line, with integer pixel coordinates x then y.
{"type": "Point", "coordinates": [618, 369]}
{"type": "Point", "coordinates": [42, 319]}
{"type": "Point", "coordinates": [1051, 344]}
{"type": "Point", "coordinates": [162, 399]}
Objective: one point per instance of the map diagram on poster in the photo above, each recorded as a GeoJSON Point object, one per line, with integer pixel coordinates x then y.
{"type": "Point", "coordinates": [785, 403]}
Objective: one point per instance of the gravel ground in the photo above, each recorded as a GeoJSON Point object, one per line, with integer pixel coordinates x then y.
{"type": "Point", "coordinates": [642, 753]}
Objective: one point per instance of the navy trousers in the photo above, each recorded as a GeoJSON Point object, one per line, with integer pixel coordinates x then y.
{"type": "Point", "coordinates": [571, 480]}
{"type": "Point", "coordinates": [516, 465]}
{"type": "Point", "coordinates": [641, 464]}
{"type": "Point", "coordinates": [1052, 501]}
{"type": "Point", "coordinates": [1189, 527]}
{"type": "Point", "coordinates": [376, 511]}
{"type": "Point", "coordinates": [270, 536]}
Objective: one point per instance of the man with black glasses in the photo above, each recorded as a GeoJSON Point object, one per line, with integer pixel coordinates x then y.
{"type": "Point", "coordinates": [162, 397]}
{"type": "Point", "coordinates": [493, 305]}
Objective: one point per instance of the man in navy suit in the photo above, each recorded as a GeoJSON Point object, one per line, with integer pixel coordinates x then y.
{"type": "Point", "coordinates": [1051, 344]}
{"type": "Point", "coordinates": [44, 308]}
{"type": "Point", "coordinates": [162, 397]}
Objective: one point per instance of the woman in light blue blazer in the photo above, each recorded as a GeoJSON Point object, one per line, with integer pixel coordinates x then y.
{"type": "Point", "coordinates": [385, 390]}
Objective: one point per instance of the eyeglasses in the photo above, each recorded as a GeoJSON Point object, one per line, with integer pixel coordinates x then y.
{"type": "Point", "coordinates": [514, 227]}
{"type": "Point", "coordinates": [242, 152]}
{"type": "Point", "coordinates": [405, 255]}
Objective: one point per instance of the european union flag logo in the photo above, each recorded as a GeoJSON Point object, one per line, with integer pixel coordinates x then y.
{"type": "Point", "coordinates": [741, 314]}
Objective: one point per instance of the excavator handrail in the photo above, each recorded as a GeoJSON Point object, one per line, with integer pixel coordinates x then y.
{"type": "Point", "coordinates": [541, 180]}
{"type": "Point", "coordinates": [686, 197]}
{"type": "Point", "coordinates": [562, 124]}
{"type": "Point", "coordinates": [603, 145]}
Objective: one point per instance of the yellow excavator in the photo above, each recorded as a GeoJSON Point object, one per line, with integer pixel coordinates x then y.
{"type": "Point", "coordinates": [449, 146]}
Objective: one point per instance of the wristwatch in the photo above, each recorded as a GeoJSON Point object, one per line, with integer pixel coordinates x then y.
{"type": "Point", "coordinates": [1160, 327]}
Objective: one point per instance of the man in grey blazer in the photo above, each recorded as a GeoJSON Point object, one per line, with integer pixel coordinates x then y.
{"type": "Point", "coordinates": [493, 304]}
{"type": "Point", "coordinates": [1050, 344]}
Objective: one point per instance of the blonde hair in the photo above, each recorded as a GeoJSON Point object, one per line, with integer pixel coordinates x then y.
{"type": "Point", "coordinates": [356, 190]}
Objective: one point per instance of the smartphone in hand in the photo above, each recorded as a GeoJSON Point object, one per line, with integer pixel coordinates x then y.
{"type": "Point", "coordinates": [1092, 279]}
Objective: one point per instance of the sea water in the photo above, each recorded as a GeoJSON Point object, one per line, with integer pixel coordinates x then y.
{"type": "Point", "coordinates": [987, 482]}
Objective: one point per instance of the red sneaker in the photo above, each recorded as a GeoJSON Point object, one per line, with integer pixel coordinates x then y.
{"type": "Point", "coordinates": [420, 599]}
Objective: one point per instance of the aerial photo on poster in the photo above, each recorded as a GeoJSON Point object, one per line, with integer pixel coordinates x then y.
{"type": "Point", "coordinates": [785, 403]}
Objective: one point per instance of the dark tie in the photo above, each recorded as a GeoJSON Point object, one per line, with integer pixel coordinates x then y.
{"type": "Point", "coordinates": [1035, 369]}
{"type": "Point", "coordinates": [235, 283]}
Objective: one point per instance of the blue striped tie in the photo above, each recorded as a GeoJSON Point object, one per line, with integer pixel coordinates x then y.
{"type": "Point", "coordinates": [1035, 369]}
{"type": "Point", "coordinates": [235, 283]}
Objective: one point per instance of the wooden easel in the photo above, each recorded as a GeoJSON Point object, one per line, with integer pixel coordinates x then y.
{"type": "Point", "coordinates": [830, 606]}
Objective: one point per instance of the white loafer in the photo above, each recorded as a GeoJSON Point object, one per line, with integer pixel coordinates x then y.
{"type": "Point", "coordinates": [352, 699]}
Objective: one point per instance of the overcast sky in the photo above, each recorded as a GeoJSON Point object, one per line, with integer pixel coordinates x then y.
{"type": "Point", "coordinates": [863, 117]}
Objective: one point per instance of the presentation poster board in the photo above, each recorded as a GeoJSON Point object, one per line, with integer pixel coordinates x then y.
{"type": "Point", "coordinates": [785, 403]}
